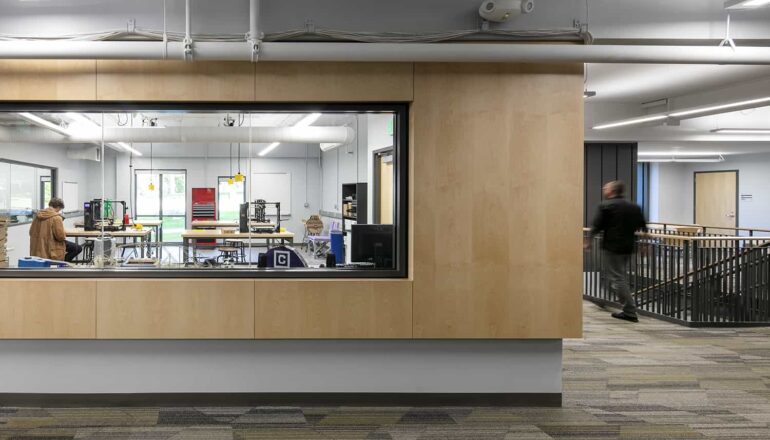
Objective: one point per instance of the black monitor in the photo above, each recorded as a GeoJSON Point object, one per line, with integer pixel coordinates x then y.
{"type": "Point", "coordinates": [372, 244]}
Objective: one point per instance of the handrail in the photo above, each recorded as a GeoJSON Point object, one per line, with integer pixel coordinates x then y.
{"type": "Point", "coordinates": [731, 258]}
{"type": "Point", "coordinates": [708, 227]}
{"type": "Point", "coordinates": [700, 238]}
{"type": "Point", "coordinates": [695, 238]}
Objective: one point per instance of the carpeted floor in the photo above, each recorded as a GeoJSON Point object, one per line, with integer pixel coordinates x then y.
{"type": "Point", "coordinates": [651, 380]}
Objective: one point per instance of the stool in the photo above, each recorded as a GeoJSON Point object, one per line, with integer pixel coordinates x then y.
{"type": "Point", "coordinates": [228, 253]}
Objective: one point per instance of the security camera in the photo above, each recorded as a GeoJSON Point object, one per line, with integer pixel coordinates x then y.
{"type": "Point", "coordinates": [501, 10]}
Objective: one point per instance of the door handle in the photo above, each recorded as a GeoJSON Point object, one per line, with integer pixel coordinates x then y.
{"type": "Point", "coordinates": [731, 214]}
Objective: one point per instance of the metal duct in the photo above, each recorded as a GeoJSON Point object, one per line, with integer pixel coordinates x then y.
{"type": "Point", "coordinates": [315, 135]}
{"type": "Point", "coordinates": [416, 52]}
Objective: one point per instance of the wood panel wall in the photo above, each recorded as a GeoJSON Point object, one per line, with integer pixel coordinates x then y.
{"type": "Point", "coordinates": [497, 158]}
{"type": "Point", "coordinates": [495, 208]}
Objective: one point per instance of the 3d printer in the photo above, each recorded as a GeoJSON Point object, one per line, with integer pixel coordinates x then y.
{"type": "Point", "coordinates": [100, 215]}
{"type": "Point", "coordinates": [253, 217]}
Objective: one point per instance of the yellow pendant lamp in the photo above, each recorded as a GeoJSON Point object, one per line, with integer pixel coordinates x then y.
{"type": "Point", "coordinates": [151, 186]}
{"type": "Point", "coordinates": [230, 179]}
{"type": "Point", "coordinates": [238, 176]}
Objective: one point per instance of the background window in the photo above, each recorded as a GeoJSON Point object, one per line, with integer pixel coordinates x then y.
{"type": "Point", "coordinates": [229, 198]}
{"type": "Point", "coordinates": [161, 195]}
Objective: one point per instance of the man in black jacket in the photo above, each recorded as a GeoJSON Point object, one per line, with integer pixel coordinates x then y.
{"type": "Point", "coordinates": [619, 220]}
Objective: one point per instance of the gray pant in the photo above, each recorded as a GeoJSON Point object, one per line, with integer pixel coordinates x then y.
{"type": "Point", "coordinates": [616, 266]}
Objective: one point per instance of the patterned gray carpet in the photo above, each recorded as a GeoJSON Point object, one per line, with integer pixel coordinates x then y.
{"type": "Point", "coordinates": [650, 380]}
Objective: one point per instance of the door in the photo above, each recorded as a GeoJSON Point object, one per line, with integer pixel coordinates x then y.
{"type": "Point", "coordinates": [384, 188]}
{"type": "Point", "coordinates": [162, 195]}
{"type": "Point", "coordinates": [716, 199]}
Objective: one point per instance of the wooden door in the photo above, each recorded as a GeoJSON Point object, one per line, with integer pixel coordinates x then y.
{"type": "Point", "coordinates": [385, 189]}
{"type": "Point", "coordinates": [716, 200]}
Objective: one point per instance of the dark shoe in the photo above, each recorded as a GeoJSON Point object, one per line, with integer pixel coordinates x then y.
{"type": "Point", "coordinates": [621, 315]}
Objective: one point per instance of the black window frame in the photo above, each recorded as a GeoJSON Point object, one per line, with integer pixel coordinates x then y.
{"type": "Point", "coordinates": [161, 172]}
{"type": "Point", "coordinates": [401, 191]}
{"type": "Point", "coordinates": [54, 180]}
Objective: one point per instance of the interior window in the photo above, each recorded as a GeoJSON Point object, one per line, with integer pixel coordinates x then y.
{"type": "Point", "coordinates": [277, 191]}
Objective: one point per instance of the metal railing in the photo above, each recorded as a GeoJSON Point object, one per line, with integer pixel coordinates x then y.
{"type": "Point", "coordinates": [693, 279]}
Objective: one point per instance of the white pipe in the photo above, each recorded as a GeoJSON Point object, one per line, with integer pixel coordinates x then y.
{"type": "Point", "coordinates": [188, 49]}
{"type": "Point", "coordinates": [187, 20]}
{"type": "Point", "coordinates": [253, 37]}
{"type": "Point", "coordinates": [254, 19]}
{"type": "Point", "coordinates": [308, 135]}
{"type": "Point", "coordinates": [437, 52]}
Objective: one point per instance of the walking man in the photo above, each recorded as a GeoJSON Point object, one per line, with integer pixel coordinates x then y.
{"type": "Point", "coordinates": [618, 219]}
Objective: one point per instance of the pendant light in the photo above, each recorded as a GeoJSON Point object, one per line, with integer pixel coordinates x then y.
{"type": "Point", "coordinates": [151, 186]}
{"type": "Point", "coordinates": [230, 179]}
{"type": "Point", "coordinates": [239, 177]}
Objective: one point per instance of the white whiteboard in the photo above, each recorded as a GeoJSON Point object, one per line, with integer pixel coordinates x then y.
{"type": "Point", "coordinates": [70, 196]}
{"type": "Point", "coordinates": [272, 187]}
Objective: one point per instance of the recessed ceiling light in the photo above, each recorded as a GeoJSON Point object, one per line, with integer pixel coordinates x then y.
{"type": "Point", "coordinates": [742, 130]}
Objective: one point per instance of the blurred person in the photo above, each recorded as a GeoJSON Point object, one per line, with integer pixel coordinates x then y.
{"type": "Point", "coordinates": [619, 220]}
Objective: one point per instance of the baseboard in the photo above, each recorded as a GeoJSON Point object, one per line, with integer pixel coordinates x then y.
{"type": "Point", "coordinates": [280, 399]}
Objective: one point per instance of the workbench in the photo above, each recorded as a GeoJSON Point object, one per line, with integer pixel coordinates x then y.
{"type": "Point", "coordinates": [190, 236]}
{"type": "Point", "coordinates": [142, 235]}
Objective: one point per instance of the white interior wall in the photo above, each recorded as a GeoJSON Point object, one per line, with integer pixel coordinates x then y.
{"type": "Point", "coordinates": [675, 189]}
{"type": "Point", "coordinates": [669, 190]}
{"type": "Point", "coordinates": [376, 366]}
{"type": "Point", "coordinates": [203, 173]}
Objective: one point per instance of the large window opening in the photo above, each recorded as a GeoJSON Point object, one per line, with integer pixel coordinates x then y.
{"type": "Point", "coordinates": [231, 194]}
{"type": "Point", "coordinates": [219, 190]}
{"type": "Point", "coordinates": [160, 196]}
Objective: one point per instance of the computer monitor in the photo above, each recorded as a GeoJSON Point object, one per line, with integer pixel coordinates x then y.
{"type": "Point", "coordinates": [372, 244]}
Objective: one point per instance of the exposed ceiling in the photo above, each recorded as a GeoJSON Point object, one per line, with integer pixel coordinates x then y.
{"type": "Point", "coordinates": [640, 83]}
{"type": "Point", "coordinates": [193, 119]}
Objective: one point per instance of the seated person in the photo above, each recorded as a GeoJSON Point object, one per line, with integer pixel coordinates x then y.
{"type": "Point", "coordinates": [46, 235]}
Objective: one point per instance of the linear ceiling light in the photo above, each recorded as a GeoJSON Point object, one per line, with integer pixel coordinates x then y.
{"type": "Point", "coordinates": [128, 148]}
{"type": "Point", "coordinates": [742, 130]}
{"type": "Point", "coordinates": [633, 121]}
{"type": "Point", "coordinates": [688, 113]}
{"type": "Point", "coordinates": [746, 4]}
{"type": "Point", "coordinates": [326, 146]}
{"type": "Point", "coordinates": [304, 122]}
{"type": "Point", "coordinates": [84, 124]}
{"type": "Point", "coordinates": [679, 153]}
{"type": "Point", "coordinates": [669, 160]}
{"type": "Point", "coordinates": [307, 120]}
{"type": "Point", "coordinates": [44, 122]}
{"type": "Point", "coordinates": [717, 108]}
{"type": "Point", "coordinates": [269, 148]}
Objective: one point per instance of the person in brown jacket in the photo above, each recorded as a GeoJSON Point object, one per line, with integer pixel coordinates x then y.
{"type": "Point", "coordinates": [46, 235]}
